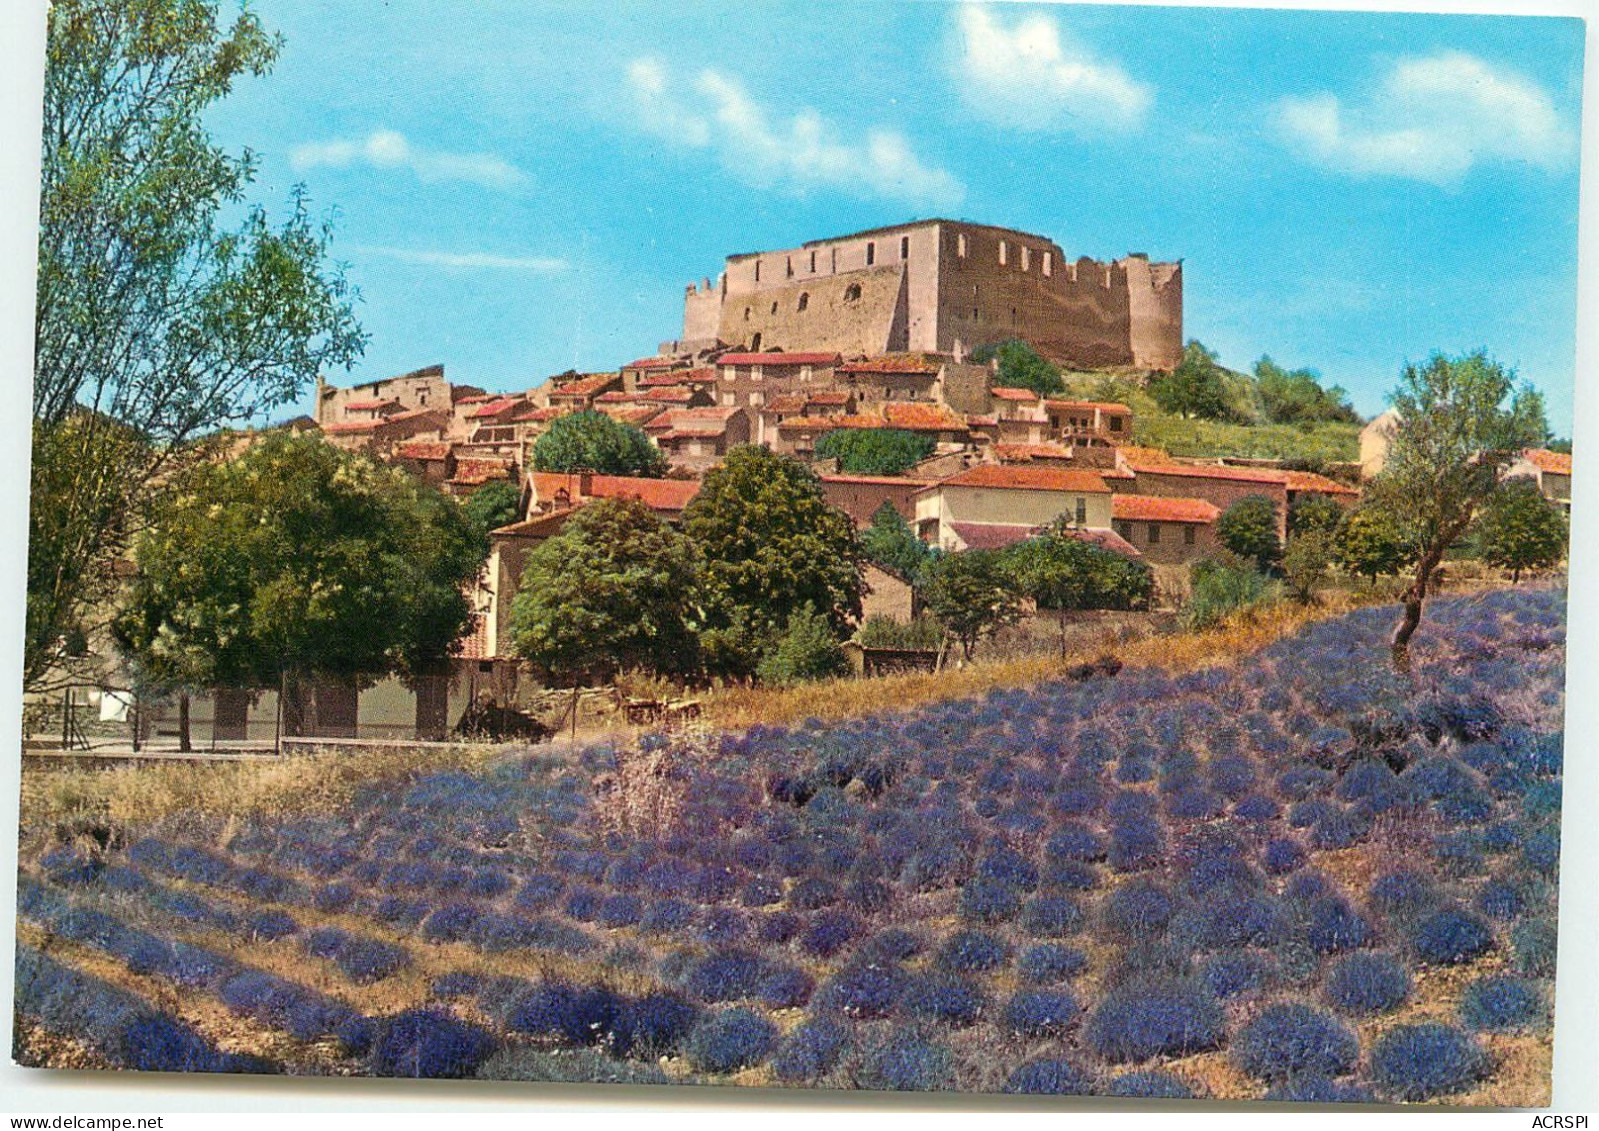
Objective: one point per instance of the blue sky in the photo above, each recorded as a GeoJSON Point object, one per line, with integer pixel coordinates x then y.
{"type": "Point", "coordinates": [526, 188]}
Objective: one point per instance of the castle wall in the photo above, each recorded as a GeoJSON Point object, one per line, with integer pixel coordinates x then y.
{"type": "Point", "coordinates": [858, 312]}
{"type": "Point", "coordinates": [1155, 307]}
{"type": "Point", "coordinates": [963, 285]}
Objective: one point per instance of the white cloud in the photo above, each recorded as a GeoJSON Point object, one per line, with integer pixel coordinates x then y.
{"type": "Point", "coordinates": [800, 154]}
{"type": "Point", "coordinates": [389, 149]}
{"type": "Point", "coordinates": [1430, 119]}
{"type": "Point", "coordinates": [467, 261]}
{"type": "Point", "coordinates": [1029, 76]}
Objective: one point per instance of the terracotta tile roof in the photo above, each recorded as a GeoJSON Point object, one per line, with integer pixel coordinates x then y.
{"type": "Point", "coordinates": [348, 426]}
{"type": "Point", "coordinates": [890, 363]}
{"type": "Point", "coordinates": [876, 480]}
{"type": "Point", "coordinates": [586, 386]}
{"type": "Point", "coordinates": [423, 450]}
{"type": "Point", "coordinates": [1025, 453]}
{"type": "Point", "coordinates": [778, 359]}
{"type": "Point", "coordinates": [475, 644]}
{"type": "Point", "coordinates": [1089, 406]}
{"type": "Point", "coordinates": [495, 407]}
{"type": "Point", "coordinates": [615, 396]}
{"type": "Point", "coordinates": [978, 420]}
{"type": "Point", "coordinates": [686, 422]}
{"type": "Point", "coordinates": [370, 406]}
{"type": "Point", "coordinates": [472, 471]}
{"type": "Point", "coordinates": [465, 394]}
{"type": "Point", "coordinates": [550, 413]}
{"type": "Point", "coordinates": [416, 414]}
{"type": "Point", "coordinates": [1005, 393]}
{"type": "Point", "coordinates": [992, 535]}
{"type": "Point", "coordinates": [1207, 471]}
{"type": "Point", "coordinates": [1149, 508]}
{"type": "Point", "coordinates": [829, 398]}
{"type": "Point", "coordinates": [670, 394]}
{"type": "Point", "coordinates": [670, 495]}
{"type": "Point", "coordinates": [1107, 540]}
{"type": "Point", "coordinates": [536, 525]}
{"type": "Point", "coordinates": [785, 404]}
{"type": "Point", "coordinates": [912, 416]}
{"type": "Point", "coordinates": [702, 376]}
{"type": "Point", "coordinates": [1320, 484]}
{"type": "Point", "coordinates": [475, 398]}
{"type": "Point", "coordinates": [1022, 477]}
{"type": "Point", "coordinates": [653, 363]}
{"type": "Point", "coordinates": [1552, 463]}
{"type": "Point", "coordinates": [637, 415]}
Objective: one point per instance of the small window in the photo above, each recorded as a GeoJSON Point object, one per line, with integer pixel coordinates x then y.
{"type": "Point", "coordinates": [1049, 264]}
{"type": "Point", "coordinates": [788, 266]}
{"type": "Point", "coordinates": [871, 253]}
{"type": "Point", "coordinates": [974, 291]}
{"type": "Point", "coordinates": [746, 314]}
{"type": "Point", "coordinates": [960, 245]}
{"type": "Point", "coordinates": [1115, 424]}
{"type": "Point", "coordinates": [1013, 316]}
{"type": "Point", "coordinates": [974, 314]}
{"type": "Point", "coordinates": [1154, 534]}
{"type": "Point", "coordinates": [1125, 529]}
{"type": "Point", "coordinates": [1027, 258]}
{"type": "Point", "coordinates": [835, 261]}
{"type": "Point", "coordinates": [1188, 535]}
{"type": "Point", "coordinates": [813, 263]}
{"type": "Point", "coordinates": [1082, 512]}
{"type": "Point", "coordinates": [852, 293]}
{"type": "Point", "coordinates": [904, 247]}
{"type": "Point", "coordinates": [1004, 253]}
{"type": "Point", "coordinates": [774, 308]}
{"type": "Point", "coordinates": [804, 299]}
{"type": "Point", "coordinates": [757, 270]}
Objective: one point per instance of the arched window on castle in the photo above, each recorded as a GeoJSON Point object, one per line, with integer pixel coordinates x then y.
{"type": "Point", "coordinates": [852, 293]}
{"type": "Point", "coordinates": [804, 299]}
{"type": "Point", "coordinates": [904, 247]}
{"type": "Point", "coordinates": [871, 253]}
{"type": "Point", "coordinates": [1004, 255]}
{"type": "Point", "coordinates": [1049, 264]}
{"type": "Point", "coordinates": [758, 270]}
{"type": "Point", "coordinates": [960, 245]}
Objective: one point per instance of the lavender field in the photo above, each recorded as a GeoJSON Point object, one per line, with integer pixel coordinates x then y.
{"type": "Point", "coordinates": [1293, 877]}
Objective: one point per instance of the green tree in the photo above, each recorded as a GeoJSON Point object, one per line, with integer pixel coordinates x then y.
{"type": "Point", "coordinates": [1521, 530]}
{"type": "Point", "coordinates": [1307, 561]}
{"type": "Point", "coordinates": [1314, 514]}
{"type": "Point", "coordinates": [1195, 388]}
{"type": "Point", "coordinates": [807, 650]}
{"type": "Point", "coordinates": [1297, 396]}
{"type": "Point", "coordinates": [1372, 544]}
{"type": "Point", "coordinates": [1249, 529]}
{"type": "Point", "coordinates": [1066, 574]}
{"type": "Point", "coordinates": [493, 505]}
{"type": "Point", "coordinates": [156, 324]}
{"type": "Point", "coordinates": [612, 591]}
{"type": "Point", "coordinates": [890, 544]}
{"type": "Point", "coordinates": [972, 594]}
{"type": "Point", "coordinates": [1461, 420]}
{"type": "Point", "coordinates": [1220, 588]}
{"type": "Point", "coordinates": [296, 559]}
{"type": "Point", "coordinates": [874, 451]}
{"type": "Point", "coordinates": [772, 545]}
{"type": "Point", "coordinates": [592, 441]}
{"type": "Point", "coordinates": [1020, 367]}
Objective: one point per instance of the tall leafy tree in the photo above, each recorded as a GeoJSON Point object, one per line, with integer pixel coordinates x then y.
{"type": "Point", "coordinates": [292, 560]}
{"type": "Point", "coordinates": [1194, 388]}
{"type": "Point", "coordinates": [1461, 420]}
{"type": "Point", "coordinates": [1297, 396]}
{"type": "Point", "coordinates": [592, 441]}
{"type": "Point", "coordinates": [613, 590]}
{"type": "Point", "coordinates": [1019, 366]}
{"type": "Point", "coordinates": [493, 505]}
{"type": "Point", "coordinates": [1314, 514]}
{"type": "Point", "coordinates": [874, 451]}
{"type": "Point", "coordinates": [1521, 530]}
{"type": "Point", "coordinates": [157, 322]}
{"type": "Point", "coordinates": [972, 594]}
{"type": "Point", "coordinates": [1249, 529]}
{"type": "Point", "coordinates": [1372, 543]}
{"type": "Point", "coordinates": [772, 545]}
{"type": "Point", "coordinates": [890, 544]}
{"type": "Point", "coordinates": [1066, 574]}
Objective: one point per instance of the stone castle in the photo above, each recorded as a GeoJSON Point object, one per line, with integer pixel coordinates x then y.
{"type": "Point", "coordinates": [940, 286]}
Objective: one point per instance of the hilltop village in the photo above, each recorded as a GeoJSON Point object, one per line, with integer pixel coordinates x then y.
{"type": "Point", "coordinates": [872, 331]}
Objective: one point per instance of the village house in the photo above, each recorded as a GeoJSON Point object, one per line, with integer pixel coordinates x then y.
{"type": "Point", "coordinates": [636, 374]}
{"type": "Point", "coordinates": [993, 505]}
{"type": "Point", "coordinates": [893, 377]}
{"type": "Point", "coordinates": [1550, 470]}
{"type": "Point", "coordinates": [1219, 486]}
{"type": "Point", "coordinates": [423, 388]}
{"type": "Point", "coordinates": [792, 425]}
{"type": "Point", "coordinates": [379, 433]}
{"type": "Point", "coordinates": [1166, 531]}
{"type": "Point", "coordinates": [862, 496]}
{"type": "Point", "coordinates": [697, 438]}
{"type": "Point", "coordinates": [1108, 421]}
{"type": "Point", "coordinates": [577, 394]}
{"type": "Point", "coordinates": [946, 429]}
{"type": "Point", "coordinates": [750, 380]}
